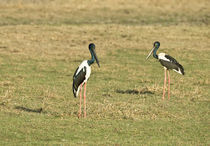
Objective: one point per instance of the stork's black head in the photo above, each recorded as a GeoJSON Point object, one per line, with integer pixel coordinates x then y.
{"type": "Point", "coordinates": [91, 46]}
{"type": "Point", "coordinates": [93, 54]}
{"type": "Point", "coordinates": [154, 50]}
{"type": "Point", "coordinates": [156, 44]}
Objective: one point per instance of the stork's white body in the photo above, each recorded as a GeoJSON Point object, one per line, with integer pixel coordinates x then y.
{"type": "Point", "coordinates": [88, 70]}
{"type": "Point", "coordinates": [162, 56]}
{"type": "Point", "coordinates": [87, 75]}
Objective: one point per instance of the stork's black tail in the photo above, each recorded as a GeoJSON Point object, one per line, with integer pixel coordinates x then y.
{"type": "Point", "coordinates": [181, 69]}
{"type": "Point", "coordinates": [74, 89]}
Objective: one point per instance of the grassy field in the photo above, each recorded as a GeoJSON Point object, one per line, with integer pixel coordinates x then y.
{"type": "Point", "coordinates": [42, 42]}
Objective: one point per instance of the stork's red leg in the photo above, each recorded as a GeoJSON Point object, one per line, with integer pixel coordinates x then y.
{"type": "Point", "coordinates": [80, 103]}
{"type": "Point", "coordinates": [85, 100]}
{"type": "Point", "coordinates": [164, 86]}
{"type": "Point", "coordinates": [168, 85]}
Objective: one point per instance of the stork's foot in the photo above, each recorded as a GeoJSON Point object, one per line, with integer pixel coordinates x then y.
{"type": "Point", "coordinates": [163, 97]}
{"type": "Point", "coordinates": [79, 115]}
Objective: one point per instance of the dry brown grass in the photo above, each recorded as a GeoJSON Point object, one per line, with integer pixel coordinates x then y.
{"type": "Point", "coordinates": [108, 12]}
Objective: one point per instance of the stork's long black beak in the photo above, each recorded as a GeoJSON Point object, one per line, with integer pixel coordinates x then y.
{"type": "Point", "coordinates": [150, 53]}
{"type": "Point", "coordinates": [95, 56]}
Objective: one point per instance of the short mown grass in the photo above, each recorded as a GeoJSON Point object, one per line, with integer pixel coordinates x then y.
{"type": "Point", "coordinates": [43, 42]}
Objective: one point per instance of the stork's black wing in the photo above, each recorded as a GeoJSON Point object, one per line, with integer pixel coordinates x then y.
{"type": "Point", "coordinates": [172, 60]}
{"type": "Point", "coordinates": [78, 79]}
{"type": "Point", "coordinates": [172, 64]}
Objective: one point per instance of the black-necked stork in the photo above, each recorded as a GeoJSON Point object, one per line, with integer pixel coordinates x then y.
{"type": "Point", "coordinates": [168, 62]}
{"type": "Point", "coordinates": [81, 76]}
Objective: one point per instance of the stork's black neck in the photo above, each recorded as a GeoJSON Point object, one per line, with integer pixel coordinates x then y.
{"type": "Point", "coordinates": [91, 61]}
{"type": "Point", "coordinates": [155, 52]}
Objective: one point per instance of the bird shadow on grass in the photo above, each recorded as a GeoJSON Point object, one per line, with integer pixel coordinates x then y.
{"type": "Point", "coordinates": [3, 47]}
{"type": "Point", "coordinates": [134, 91]}
{"type": "Point", "coordinates": [39, 110]}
